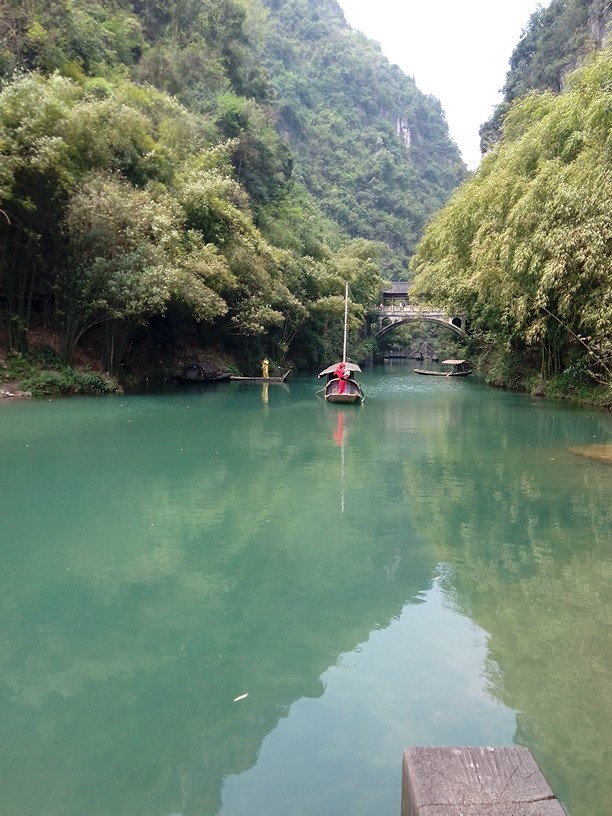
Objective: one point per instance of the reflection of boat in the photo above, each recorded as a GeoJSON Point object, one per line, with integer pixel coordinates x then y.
{"type": "Point", "coordinates": [459, 368]}
{"type": "Point", "coordinates": [341, 385]}
{"type": "Point", "coordinates": [338, 436]}
{"type": "Point", "coordinates": [201, 373]}
{"type": "Point", "coordinates": [261, 379]}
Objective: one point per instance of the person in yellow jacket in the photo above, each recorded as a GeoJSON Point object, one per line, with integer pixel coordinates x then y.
{"type": "Point", "coordinates": [265, 370]}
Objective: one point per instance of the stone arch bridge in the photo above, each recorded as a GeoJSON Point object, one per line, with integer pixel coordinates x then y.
{"type": "Point", "coordinates": [391, 316]}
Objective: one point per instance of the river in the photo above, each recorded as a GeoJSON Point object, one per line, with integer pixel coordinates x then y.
{"type": "Point", "coordinates": [238, 600]}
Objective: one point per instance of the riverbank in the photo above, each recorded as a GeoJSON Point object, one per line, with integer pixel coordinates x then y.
{"type": "Point", "coordinates": [583, 394]}
{"type": "Point", "coordinates": [521, 374]}
{"type": "Point", "coordinates": [11, 390]}
{"type": "Point", "coordinates": [40, 373]}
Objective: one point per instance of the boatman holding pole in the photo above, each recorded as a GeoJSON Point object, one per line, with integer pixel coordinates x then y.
{"type": "Point", "coordinates": [265, 368]}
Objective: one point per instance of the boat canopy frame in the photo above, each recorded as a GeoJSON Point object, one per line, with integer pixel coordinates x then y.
{"type": "Point", "coordinates": [330, 369]}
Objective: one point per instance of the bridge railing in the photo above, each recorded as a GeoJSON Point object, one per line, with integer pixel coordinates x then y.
{"type": "Point", "coordinates": [408, 308]}
{"type": "Point", "coordinates": [398, 313]}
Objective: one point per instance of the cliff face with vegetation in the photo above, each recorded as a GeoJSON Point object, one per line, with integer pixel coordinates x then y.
{"type": "Point", "coordinates": [211, 171]}
{"type": "Point", "coordinates": [556, 41]}
{"type": "Point", "coordinates": [370, 146]}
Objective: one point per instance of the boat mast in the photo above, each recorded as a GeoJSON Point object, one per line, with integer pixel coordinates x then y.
{"type": "Point", "coordinates": [345, 323]}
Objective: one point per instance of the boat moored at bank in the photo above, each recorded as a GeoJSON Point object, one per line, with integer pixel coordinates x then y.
{"type": "Point", "coordinates": [457, 368]}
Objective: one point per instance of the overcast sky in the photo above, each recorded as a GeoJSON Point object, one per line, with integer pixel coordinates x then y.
{"type": "Point", "coordinates": [456, 50]}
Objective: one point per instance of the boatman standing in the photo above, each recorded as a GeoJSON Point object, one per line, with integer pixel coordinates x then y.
{"type": "Point", "coordinates": [265, 367]}
{"type": "Point", "coordinates": [343, 375]}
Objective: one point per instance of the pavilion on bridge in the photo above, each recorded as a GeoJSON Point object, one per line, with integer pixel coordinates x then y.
{"type": "Point", "coordinates": [396, 295]}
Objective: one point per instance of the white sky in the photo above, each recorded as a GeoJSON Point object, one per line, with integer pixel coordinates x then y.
{"type": "Point", "coordinates": [456, 50]}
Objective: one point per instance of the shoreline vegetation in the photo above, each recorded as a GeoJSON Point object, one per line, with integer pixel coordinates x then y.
{"type": "Point", "coordinates": [170, 199]}
{"type": "Point", "coordinates": [40, 373]}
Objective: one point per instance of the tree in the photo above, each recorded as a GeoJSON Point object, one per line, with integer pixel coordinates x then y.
{"type": "Point", "coordinates": [120, 265]}
{"type": "Point", "coordinates": [36, 180]}
{"type": "Point", "coordinates": [556, 40]}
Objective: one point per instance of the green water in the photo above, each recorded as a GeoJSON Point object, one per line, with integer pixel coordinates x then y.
{"type": "Point", "coordinates": [431, 568]}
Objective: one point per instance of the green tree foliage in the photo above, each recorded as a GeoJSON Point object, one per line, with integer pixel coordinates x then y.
{"type": "Point", "coordinates": [36, 178]}
{"type": "Point", "coordinates": [218, 166]}
{"type": "Point", "coordinates": [120, 266]}
{"type": "Point", "coordinates": [261, 158]}
{"type": "Point", "coordinates": [555, 41]}
{"type": "Point", "coordinates": [524, 248]}
{"type": "Point", "coordinates": [53, 133]}
{"type": "Point", "coordinates": [367, 144]}
{"type": "Point", "coordinates": [70, 36]}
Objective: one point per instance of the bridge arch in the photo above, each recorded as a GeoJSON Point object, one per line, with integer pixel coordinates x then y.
{"type": "Point", "coordinates": [395, 316]}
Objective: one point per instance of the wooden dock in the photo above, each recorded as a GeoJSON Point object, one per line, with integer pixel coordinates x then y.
{"type": "Point", "coordinates": [475, 782]}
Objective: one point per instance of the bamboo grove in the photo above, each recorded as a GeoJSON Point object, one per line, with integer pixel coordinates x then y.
{"type": "Point", "coordinates": [524, 247]}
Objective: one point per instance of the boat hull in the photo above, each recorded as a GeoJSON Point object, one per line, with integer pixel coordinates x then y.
{"type": "Point", "coordinates": [442, 373]}
{"type": "Point", "coordinates": [282, 379]}
{"type": "Point", "coordinates": [352, 392]}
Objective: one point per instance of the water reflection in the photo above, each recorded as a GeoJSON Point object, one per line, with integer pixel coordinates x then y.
{"type": "Point", "coordinates": [340, 429]}
{"type": "Point", "coordinates": [524, 529]}
{"type": "Point", "coordinates": [414, 571]}
{"type": "Point", "coordinates": [438, 655]}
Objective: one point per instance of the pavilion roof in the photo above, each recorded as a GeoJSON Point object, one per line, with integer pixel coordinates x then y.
{"type": "Point", "coordinates": [398, 289]}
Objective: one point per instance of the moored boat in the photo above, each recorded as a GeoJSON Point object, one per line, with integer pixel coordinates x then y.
{"type": "Point", "coordinates": [280, 379]}
{"type": "Point", "coordinates": [458, 368]}
{"type": "Point", "coordinates": [201, 373]}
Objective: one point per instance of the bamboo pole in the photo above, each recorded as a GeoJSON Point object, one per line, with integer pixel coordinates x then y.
{"type": "Point", "coordinates": [345, 323]}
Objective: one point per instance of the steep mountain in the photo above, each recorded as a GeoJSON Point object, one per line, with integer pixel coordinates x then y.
{"type": "Point", "coordinates": [371, 147]}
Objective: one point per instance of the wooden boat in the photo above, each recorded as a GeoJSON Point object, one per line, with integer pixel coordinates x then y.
{"type": "Point", "coordinates": [334, 390]}
{"type": "Point", "coordinates": [341, 385]}
{"type": "Point", "coordinates": [459, 368]}
{"type": "Point", "coordinates": [261, 379]}
{"type": "Point", "coordinates": [201, 373]}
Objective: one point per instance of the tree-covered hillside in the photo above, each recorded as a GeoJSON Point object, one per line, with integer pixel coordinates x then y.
{"type": "Point", "coordinates": [371, 147]}
{"type": "Point", "coordinates": [555, 42]}
{"type": "Point", "coordinates": [524, 248]}
{"type": "Point", "coordinates": [209, 171]}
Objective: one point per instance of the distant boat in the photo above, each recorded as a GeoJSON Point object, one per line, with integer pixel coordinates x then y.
{"type": "Point", "coordinates": [280, 379]}
{"type": "Point", "coordinates": [458, 368]}
{"type": "Point", "coordinates": [201, 373]}
{"type": "Point", "coordinates": [341, 385]}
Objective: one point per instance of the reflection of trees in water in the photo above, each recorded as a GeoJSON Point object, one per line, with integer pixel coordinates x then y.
{"type": "Point", "coordinates": [525, 531]}
{"type": "Point", "coordinates": [179, 582]}
{"type": "Point", "coordinates": [197, 572]}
